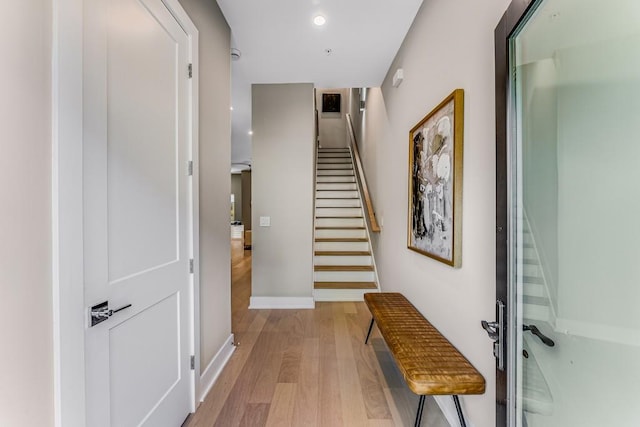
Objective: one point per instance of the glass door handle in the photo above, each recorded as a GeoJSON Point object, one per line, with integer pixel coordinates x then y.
{"type": "Point", "coordinates": [535, 331]}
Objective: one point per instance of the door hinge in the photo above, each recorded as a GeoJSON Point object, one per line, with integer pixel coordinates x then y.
{"type": "Point", "coordinates": [193, 363]}
{"type": "Point", "coordinates": [190, 168]}
{"type": "Point", "coordinates": [191, 266]}
{"type": "Point", "coordinates": [190, 70]}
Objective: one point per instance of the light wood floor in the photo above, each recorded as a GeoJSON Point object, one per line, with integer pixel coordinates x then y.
{"type": "Point", "coordinates": [306, 368]}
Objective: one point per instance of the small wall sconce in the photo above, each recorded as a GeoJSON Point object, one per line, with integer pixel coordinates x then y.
{"type": "Point", "coordinates": [398, 77]}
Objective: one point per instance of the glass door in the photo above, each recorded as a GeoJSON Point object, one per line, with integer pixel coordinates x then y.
{"type": "Point", "coordinates": [573, 153]}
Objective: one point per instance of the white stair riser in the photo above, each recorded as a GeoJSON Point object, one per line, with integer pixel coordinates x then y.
{"type": "Point", "coordinates": [529, 253]}
{"type": "Point", "coordinates": [342, 260]}
{"type": "Point", "coordinates": [338, 179]}
{"type": "Point", "coordinates": [334, 203]}
{"type": "Point", "coordinates": [536, 312]}
{"type": "Point", "coordinates": [339, 212]}
{"type": "Point", "coordinates": [338, 233]}
{"type": "Point", "coordinates": [334, 160]}
{"type": "Point", "coordinates": [341, 246]}
{"type": "Point", "coordinates": [527, 238]}
{"type": "Point", "coordinates": [339, 222]}
{"type": "Point", "coordinates": [531, 270]}
{"type": "Point", "coordinates": [340, 294]}
{"type": "Point", "coordinates": [336, 194]}
{"type": "Point", "coordinates": [322, 166]}
{"type": "Point", "coordinates": [334, 154]}
{"type": "Point", "coordinates": [533, 290]}
{"type": "Point", "coordinates": [344, 276]}
{"type": "Point", "coordinates": [334, 186]}
{"type": "Point", "coordinates": [341, 172]}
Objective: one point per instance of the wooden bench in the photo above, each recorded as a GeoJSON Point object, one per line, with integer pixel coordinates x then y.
{"type": "Point", "coordinates": [429, 363]}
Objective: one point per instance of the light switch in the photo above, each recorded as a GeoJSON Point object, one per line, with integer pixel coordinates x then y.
{"type": "Point", "coordinates": [265, 221]}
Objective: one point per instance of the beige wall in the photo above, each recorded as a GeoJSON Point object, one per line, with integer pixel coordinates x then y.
{"type": "Point", "coordinates": [26, 349]}
{"type": "Point", "coordinates": [332, 126]}
{"type": "Point", "coordinates": [450, 45]}
{"type": "Point", "coordinates": [282, 188]}
{"type": "Point", "coordinates": [236, 188]}
{"type": "Point", "coordinates": [215, 180]}
{"type": "Point", "coordinates": [246, 199]}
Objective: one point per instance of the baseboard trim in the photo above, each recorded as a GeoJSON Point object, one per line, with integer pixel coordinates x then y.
{"type": "Point", "coordinates": [448, 408]}
{"type": "Point", "coordinates": [213, 370]}
{"type": "Point", "coordinates": [281, 302]}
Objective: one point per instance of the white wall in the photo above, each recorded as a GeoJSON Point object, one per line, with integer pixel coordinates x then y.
{"type": "Point", "coordinates": [450, 45]}
{"type": "Point", "coordinates": [26, 349]}
{"type": "Point", "coordinates": [282, 188]}
{"type": "Point", "coordinates": [333, 126]}
{"type": "Point", "coordinates": [215, 180]}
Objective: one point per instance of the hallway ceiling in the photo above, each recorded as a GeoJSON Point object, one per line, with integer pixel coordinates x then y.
{"type": "Point", "coordinates": [280, 44]}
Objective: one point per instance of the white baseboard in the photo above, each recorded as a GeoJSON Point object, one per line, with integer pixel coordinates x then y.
{"type": "Point", "coordinates": [281, 302]}
{"type": "Point", "coordinates": [448, 408]}
{"type": "Point", "coordinates": [213, 370]}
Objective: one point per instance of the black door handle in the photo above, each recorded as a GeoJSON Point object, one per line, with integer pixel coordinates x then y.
{"type": "Point", "coordinates": [535, 331]}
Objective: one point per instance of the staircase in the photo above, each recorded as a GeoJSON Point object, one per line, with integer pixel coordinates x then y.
{"type": "Point", "coordinates": [343, 264]}
{"type": "Point", "coordinates": [535, 298]}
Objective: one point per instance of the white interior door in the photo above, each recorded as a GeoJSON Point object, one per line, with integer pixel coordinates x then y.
{"type": "Point", "coordinates": [136, 206]}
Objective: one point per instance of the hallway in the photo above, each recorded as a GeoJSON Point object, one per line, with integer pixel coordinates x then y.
{"type": "Point", "coordinates": [306, 367]}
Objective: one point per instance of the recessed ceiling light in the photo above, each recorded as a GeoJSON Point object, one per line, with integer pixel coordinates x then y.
{"type": "Point", "coordinates": [250, 132]}
{"type": "Point", "coordinates": [319, 20]}
{"type": "Point", "coordinates": [231, 108]}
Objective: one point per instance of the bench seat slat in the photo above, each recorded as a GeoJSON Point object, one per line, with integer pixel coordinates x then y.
{"type": "Point", "coordinates": [429, 363]}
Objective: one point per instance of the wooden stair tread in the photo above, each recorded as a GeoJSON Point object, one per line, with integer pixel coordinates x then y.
{"type": "Point", "coordinates": [343, 268]}
{"type": "Point", "coordinates": [340, 228]}
{"type": "Point", "coordinates": [342, 253]}
{"type": "Point", "coordinates": [342, 239]}
{"type": "Point", "coordinates": [345, 285]}
{"type": "Point", "coordinates": [338, 207]}
{"type": "Point", "coordinates": [336, 183]}
{"type": "Point", "coordinates": [338, 198]}
{"type": "Point", "coordinates": [339, 217]}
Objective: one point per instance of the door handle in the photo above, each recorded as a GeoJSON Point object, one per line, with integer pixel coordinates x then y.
{"type": "Point", "coordinates": [535, 331]}
{"type": "Point", "coordinates": [495, 330]}
{"type": "Point", "coordinates": [491, 328]}
{"type": "Point", "coordinates": [101, 312]}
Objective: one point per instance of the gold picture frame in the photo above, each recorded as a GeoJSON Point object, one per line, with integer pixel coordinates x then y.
{"type": "Point", "coordinates": [434, 226]}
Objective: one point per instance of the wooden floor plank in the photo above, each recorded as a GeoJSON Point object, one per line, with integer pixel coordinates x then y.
{"type": "Point", "coordinates": [353, 407]}
{"type": "Point", "coordinates": [281, 410]}
{"type": "Point", "coordinates": [305, 412]}
{"type": "Point", "coordinates": [255, 415]}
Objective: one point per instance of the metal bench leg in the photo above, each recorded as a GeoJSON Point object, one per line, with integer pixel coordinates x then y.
{"type": "Point", "coordinates": [420, 410]}
{"type": "Point", "coordinates": [459, 410]}
{"type": "Point", "coordinates": [369, 333]}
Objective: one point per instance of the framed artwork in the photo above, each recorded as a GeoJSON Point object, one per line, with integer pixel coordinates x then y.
{"type": "Point", "coordinates": [330, 102]}
{"type": "Point", "coordinates": [435, 182]}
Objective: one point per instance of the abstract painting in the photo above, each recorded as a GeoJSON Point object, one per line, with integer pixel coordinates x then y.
{"type": "Point", "coordinates": [435, 182]}
{"type": "Point", "coordinates": [331, 102]}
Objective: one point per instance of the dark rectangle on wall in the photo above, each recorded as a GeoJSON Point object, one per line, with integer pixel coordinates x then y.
{"type": "Point", "coordinates": [331, 102]}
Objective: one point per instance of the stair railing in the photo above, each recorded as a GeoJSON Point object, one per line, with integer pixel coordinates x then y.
{"type": "Point", "coordinates": [371, 215]}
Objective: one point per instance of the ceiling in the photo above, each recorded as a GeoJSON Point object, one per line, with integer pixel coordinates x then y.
{"type": "Point", "coordinates": [280, 44]}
